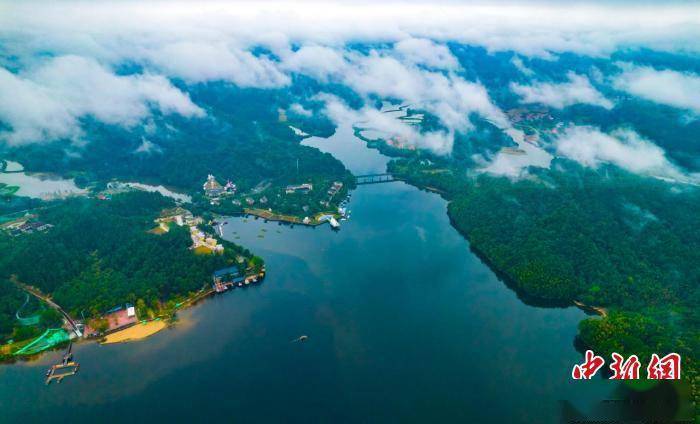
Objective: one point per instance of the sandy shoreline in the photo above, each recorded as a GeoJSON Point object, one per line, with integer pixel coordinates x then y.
{"type": "Point", "coordinates": [135, 332]}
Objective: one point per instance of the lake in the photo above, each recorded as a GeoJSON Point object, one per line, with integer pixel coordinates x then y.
{"type": "Point", "coordinates": [38, 185]}
{"type": "Point", "coordinates": [404, 323]}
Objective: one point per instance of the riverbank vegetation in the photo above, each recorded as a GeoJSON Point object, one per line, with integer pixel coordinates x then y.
{"type": "Point", "coordinates": [100, 254]}
{"type": "Point", "coordinates": [621, 241]}
{"type": "Point", "coordinates": [245, 138]}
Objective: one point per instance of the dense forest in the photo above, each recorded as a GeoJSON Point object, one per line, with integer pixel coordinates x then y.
{"type": "Point", "coordinates": [620, 241]}
{"type": "Point", "coordinates": [100, 254]}
{"type": "Point", "coordinates": [244, 138]}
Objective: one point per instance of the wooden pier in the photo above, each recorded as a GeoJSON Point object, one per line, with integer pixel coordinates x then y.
{"type": "Point", "coordinates": [56, 371]}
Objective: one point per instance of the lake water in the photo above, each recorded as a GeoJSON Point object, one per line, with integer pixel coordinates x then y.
{"type": "Point", "coordinates": [180, 197]}
{"type": "Point", "coordinates": [404, 324]}
{"type": "Point", "coordinates": [38, 186]}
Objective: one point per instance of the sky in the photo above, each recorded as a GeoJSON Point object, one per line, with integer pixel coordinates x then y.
{"type": "Point", "coordinates": [59, 61]}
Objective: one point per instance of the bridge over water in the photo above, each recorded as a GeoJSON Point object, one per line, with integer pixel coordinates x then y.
{"type": "Point", "coordinates": [375, 179]}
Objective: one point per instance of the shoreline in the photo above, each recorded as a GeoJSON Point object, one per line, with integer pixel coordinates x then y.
{"type": "Point", "coordinates": [139, 331]}
{"type": "Point", "coordinates": [131, 334]}
{"type": "Point", "coordinates": [598, 310]}
{"type": "Point", "coordinates": [288, 219]}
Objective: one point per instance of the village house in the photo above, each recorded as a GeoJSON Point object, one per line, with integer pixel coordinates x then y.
{"type": "Point", "coordinates": [335, 188]}
{"type": "Point", "coordinates": [212, 188]}
{"type": "Point", "coordinates": [178, 215]}
{"type": "Point", "coordinates": [120, 317]}
{"type": "Point", "coordinates": [200, 239]}
{"type": "Point", "coordinates": [226, 278]}
{"type": "Point", "coordinates": [24, 226]}
{"type": "Point", "coordinates": [301, 188]}
{"type": "Point", "coordinates": [230, 188]}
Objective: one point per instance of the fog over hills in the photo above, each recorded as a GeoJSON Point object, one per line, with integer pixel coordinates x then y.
{"type": "Point", "coordinates": [142, 144]}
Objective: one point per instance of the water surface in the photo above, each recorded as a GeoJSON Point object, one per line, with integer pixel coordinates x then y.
{"type": "Point", "coordinates": [38, 185]}
{"type": "Point", "coordinates": [404, 324]}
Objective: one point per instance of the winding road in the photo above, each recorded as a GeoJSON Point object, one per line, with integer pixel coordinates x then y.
{"type": "Point", "coordinates": [36, 293]}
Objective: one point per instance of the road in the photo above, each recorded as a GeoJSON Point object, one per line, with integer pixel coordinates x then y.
{"type": "Point", "coordinates": [36, 293]}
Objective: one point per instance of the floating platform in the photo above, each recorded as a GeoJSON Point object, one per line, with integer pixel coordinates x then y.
{"type": "Point", "coordinates": [60, 371]}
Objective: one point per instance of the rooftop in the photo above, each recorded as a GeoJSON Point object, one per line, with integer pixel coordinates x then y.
{"type": "Point", "coordinates": [232, 270]}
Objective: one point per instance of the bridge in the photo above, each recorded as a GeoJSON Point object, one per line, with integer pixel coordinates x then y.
{"type": "Point", "coordinates": [375, 179]}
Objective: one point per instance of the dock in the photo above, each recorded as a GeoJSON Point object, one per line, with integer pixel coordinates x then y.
{"type": "Point", "coordinates": [56, 371]}
{"type": "Point", "coordinates": [66, 368]}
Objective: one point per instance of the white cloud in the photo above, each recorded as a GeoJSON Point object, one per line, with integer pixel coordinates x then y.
{"type": "Point", "coordinates": [213, 40]}
{"type": "Point", "coordinates": [598, 29]}
{"type": "Point", "coordinates": [451, 98]}
{"type": "Point", "coordinates": [677, 89]}
{"type": "Point", "coordinates": [199, 62]}
{"type": "Point", "coordinates": [300, 110]}
{"type": "Point", "coordinates": [520, 66]}
{"type": "Point", "coordinates": [623, 148]}
{"type": "Point", "coordinates": [32, 112]}
{"type": "Point", "coordinates": [148, 147]}
{"type": "Point", "coordinates": [577, 90]}
{"type": "Point", "coordinates": [319, 62]}
{"type": "Point", "coordinates": [48, 102]}
{"type": "Point", "coordinates": [419, 51]}
{"type": "Point", "coordinates": [439, 142]}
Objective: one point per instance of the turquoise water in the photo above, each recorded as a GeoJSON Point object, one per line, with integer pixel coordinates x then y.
{"type": "Point", "coordinates": [404, 324]}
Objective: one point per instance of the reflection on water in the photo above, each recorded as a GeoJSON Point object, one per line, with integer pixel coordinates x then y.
{"type": "Point", "coordinates": [350, 150]}
{"type": "Point", "coordinates": [162, 190]}
{"type": "Point", "coordinates": [38, 185]}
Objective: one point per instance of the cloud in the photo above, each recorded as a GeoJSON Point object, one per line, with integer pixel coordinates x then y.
{"type": "Point", "coordinates": [201, 62]}
{"type": "Point", "coordinates": [148, 147]}
{"type": "Point", "coordinates": [399, 73]}
{"type": "Point", "coordinates": [318, 62]}
{"type": "Point", "coordinates": [577, 90]}
{"type": "Point", "coordinates": [677, 89]}
{"type": "Point", "coordinates": [48, 102]}
{"type": "Point", "coordinates": [439, 142]}
{"type": "Point", "coordinates": [595, 29]}
{"type": "Point", "coordinates": [520, 66]}
{"type": "Point", "coordinates": [32, 112]}
{"type": "Point", "coordinates": [214, 40]}
{"type": "Point", "coordinates": [448, 96]}
{"type": "Point", "coordinates": [300, 110]}
{"type": "Point", "coordinates": [419, 51]}
{"type": "Point", "coordinates": [623, 148]}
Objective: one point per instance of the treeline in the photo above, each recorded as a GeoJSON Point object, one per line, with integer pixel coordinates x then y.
{"type": "Point", "coordinates": [620, 241]}
{"type": "Point", "coordinates": [242, 138]}
{"type": "Point", "coordinates": [99, 254]}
